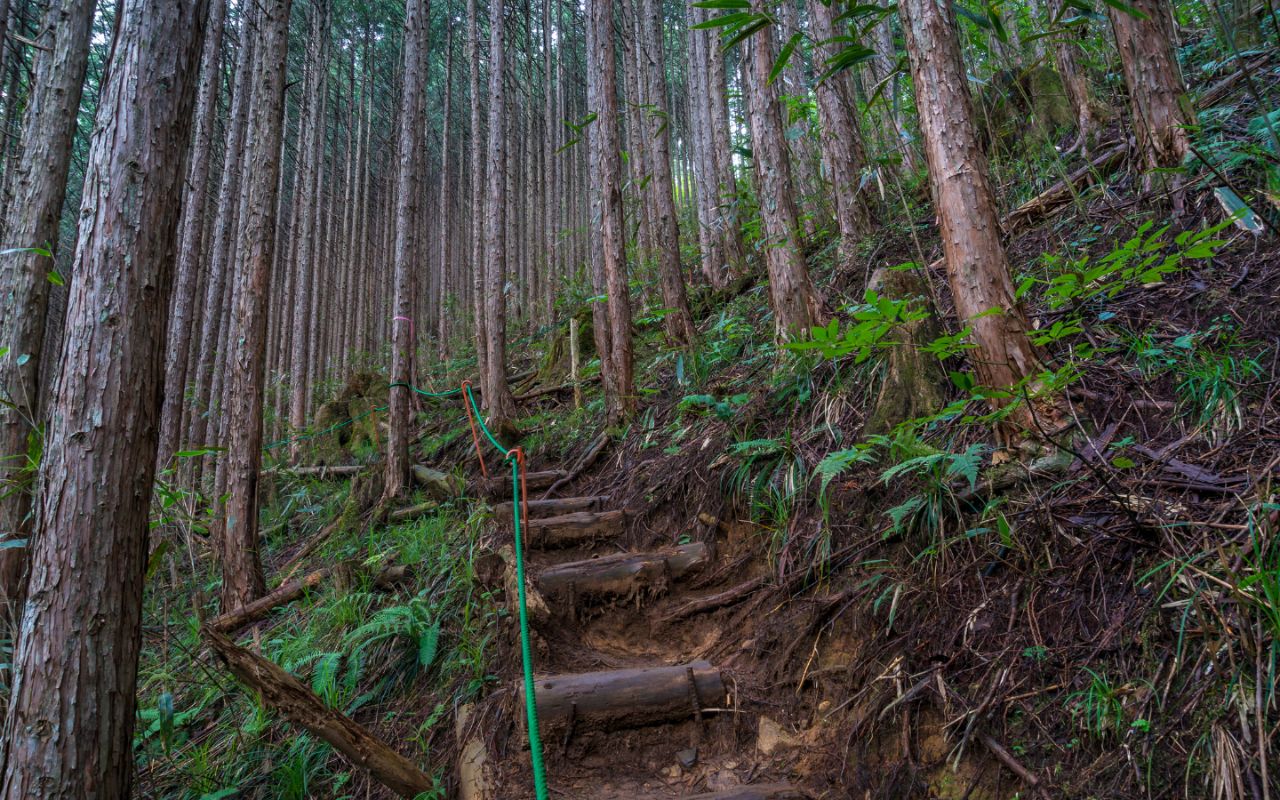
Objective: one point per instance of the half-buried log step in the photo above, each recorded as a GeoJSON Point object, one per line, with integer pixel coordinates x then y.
{"type": "Point", "coordinates": [499, 485]}
{"type": "Point", "coordinates": [555, 507]}
{"type": "Point", "coordinates": [627, 698]}
{"type": "Point", "coordinates": [763, 791]}
{"type": "Point", "coordinates": [580, 527]}
{"type": "Point", "coordinates": [623, 574]}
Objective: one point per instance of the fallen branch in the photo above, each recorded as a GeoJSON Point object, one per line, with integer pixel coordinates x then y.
{"type": "Point", "coordinates": [322, 472]}
{"type": "Point", "coordinates": [712, 602]}
{"type": "Point", "coordinates": [237, 618]}
{"type": "Point", "coordinates": [1061, 192]}
{"type": "Point", "coordinates": [283, 692]}
{"type": "Point", "coordinates": [546, 390]}
{"type": "Point", "coordinates": [588, 458]}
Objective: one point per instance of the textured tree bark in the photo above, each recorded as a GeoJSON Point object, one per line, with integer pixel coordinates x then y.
{"type": "Point", "coordinates": [627, 697]}
{"type": "Point", "coordinates": [678, 321]}
{"type": "Point", "coordinates": [810, 197]}
{"type": "Point", "coordinates": [416, 30]}
{"type": "Point", "coordinates": [574, 528]}
{"type": "Point", "coordinates": [221, 265]}
{"type": "Point", "coordinates": [446, 205]}
{"type": "Point", "coordinates": [622, 574]}
{"type": "Point", "coordinates": [69, 730]}
{"type": "Point", "coordinates": [1074, 80]}
{"type": "Point", "coordinates": [1157, 95]}
{"type": "Point", "coordinates": [310, 155]}
{"type": "Point", "coordinates": [283, 692]}
{"type": "Point", "coordinates": [791, 292]}
{"type": "Point", "coordinates": [977, 267]}
{"type": "Point", "coordinates": [710, 243]}
{"type": "Point", "coordinates": [190, 238]}
{"type": "Point", "coordinates": [497, 392]}
{"type": "Point", "coordinates": [242, 580]}
{"type": "Point", "coordinates": [620, 384]}
{"type": "Point", "coordinates": [39, 184]}
{"type": "Point", "coordinates": [841, 139]}
{"type": "Point", "coordinates": [476, 194]}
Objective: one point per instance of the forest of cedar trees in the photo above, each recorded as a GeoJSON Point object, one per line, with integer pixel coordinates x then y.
{"type": "Point", "coordinates": [605, 399]}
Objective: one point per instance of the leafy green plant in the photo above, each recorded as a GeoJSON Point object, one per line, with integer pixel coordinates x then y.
{"type": "Point", "coordinates": [1099, 707]}
{"type": "Point", "coordinates": [936, 473]}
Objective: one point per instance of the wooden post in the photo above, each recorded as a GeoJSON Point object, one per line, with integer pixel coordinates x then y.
{"type": "Point", "coordinates": [573, 362]}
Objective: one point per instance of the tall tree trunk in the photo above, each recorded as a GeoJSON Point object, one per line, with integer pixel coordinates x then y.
{"type": "Point", "coordinates": [39, 187]}
{"type": "Point", "coordinates": [1157, 95]}
{"type": "Point", "coordinates": [310, 156]}
{"type": "Point", "coordinates": [446, 204]}
{"type": "Point", "coordinates": [242, 580]}
{"type": "Point", "coordinates": [416, 30]}
{"type": "Point", "coordinates": [221, 265]}
{"type": "Point", "coordinates": [476, 194]}
{"type": "Point", "coordinates": [620, 391]}
{"type": "Point", "coordinates": [841, 140]}
{"type": "Point", "coordinates": [190, 241]}
{"type": "Point", "coordinates": [791, 293]}
{"type": "Point", "coordinates": [497, 393]}
{"type": "Point", "coordinates": [69, 730]}
{"type": "Point", "coordinates": [678, 321]}
{"type": "Point", "coordinates": [977, 267]}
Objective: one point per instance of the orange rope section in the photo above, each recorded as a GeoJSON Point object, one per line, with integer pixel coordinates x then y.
{"type": "Point", "coordinates": [475, 435]}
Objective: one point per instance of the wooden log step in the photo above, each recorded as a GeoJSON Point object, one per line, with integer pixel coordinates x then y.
{"type": "Point", "coordinates": [555, 507]}
{"type": "Point", "coordinates": [763, 791]}
{"type": "Point", "coordinates": [623, 574]}
{"type": "Point", "coordinates": [580, 527]}
{"type": "Point", "coordinates": [627, 698]}
{"type": "Point", "coordinates": [498, 484]}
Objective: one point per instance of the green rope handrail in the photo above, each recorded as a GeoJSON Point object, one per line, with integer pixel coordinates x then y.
{"type": "Point", "coordinates": [516, 457]}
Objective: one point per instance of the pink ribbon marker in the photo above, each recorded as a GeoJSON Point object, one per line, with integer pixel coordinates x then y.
{"type": "Point", "coordinates": [408, 320]}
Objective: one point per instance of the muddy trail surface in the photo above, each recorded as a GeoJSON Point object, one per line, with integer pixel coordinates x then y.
{"type": "Point", "coordinates": [647, 680]}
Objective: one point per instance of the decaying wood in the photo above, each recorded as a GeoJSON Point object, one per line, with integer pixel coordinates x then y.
{"type": "Point", "coordinates": [409, 512]}
{"type": "Point", "coordinates": [715, 601]}
{"type": "Point", "coordinates": [546, 390]}
{"type": "Point", "coordinates": [623, 574]}
{"type": "Point", "coordinates": [284, 693]}
{"type": "Point", "coordinates": [555, 507]}
{"type": "Point", "coordinates": [577, 528]}
{"type": "Point", "coordinates": [626, 697]}
{"type": "Point", "coordinates": [764, 791]}
{"type": "Point", "coordinates": [1061, 192]}
{"type": "Point", "coordinates": [473, 784]}
{"type": "Point", "coordinates": [499, 484]}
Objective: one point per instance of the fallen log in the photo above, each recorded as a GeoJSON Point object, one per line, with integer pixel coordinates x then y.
{"type": "Point", "coordinates": [409, 512]}
{"type": "Point", "coordinates": [566, 505]}
{"type": "Point", "coordinates": [1061, 192]}
{"type": "Point", "coordinates": [624, 698]}
{"type": "Point", "coordinates": [546, 390]}
{"type": "Point", "coordinates": [322, 472]}
{"type": "Point", "coordinates": [239, 617]}
{"type": "Point", "coordinates": [286, 593]}
{"type": "Point", "coordinates": [577, 528]}
{"type": "Point", "coordinates": [764, 791]}
{"type": "Point", "coordinates": [281, 691]}
{"type": "Point", "coordinates": [623, 574]}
